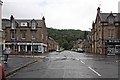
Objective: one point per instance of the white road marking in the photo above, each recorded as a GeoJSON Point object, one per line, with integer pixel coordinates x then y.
{"type": "Point", "coordinates": [94, 71]}
{"type": "Point", "coordinates": [77, 59]}
{"type": "Point", "coordinates": [82, 62]}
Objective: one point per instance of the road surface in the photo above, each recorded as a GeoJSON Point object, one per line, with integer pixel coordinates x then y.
{"type": "Point", "coordinates": [69, 64]}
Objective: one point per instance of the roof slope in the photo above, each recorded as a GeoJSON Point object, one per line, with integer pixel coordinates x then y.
{"type": "Point", "coordinates": [104, 16]}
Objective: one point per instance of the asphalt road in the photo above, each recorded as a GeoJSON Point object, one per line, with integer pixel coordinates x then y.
{"type": "Point", "coordinates": [69, 64]}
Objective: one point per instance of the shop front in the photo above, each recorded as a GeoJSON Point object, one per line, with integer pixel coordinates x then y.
{"type": "Point", "coordinates": [113, 47]}
{"type": "Point", "coordinates": [28, 47]}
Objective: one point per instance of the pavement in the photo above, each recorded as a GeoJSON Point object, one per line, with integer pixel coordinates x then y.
{"type": "Point", "coordinates": [17, 62]}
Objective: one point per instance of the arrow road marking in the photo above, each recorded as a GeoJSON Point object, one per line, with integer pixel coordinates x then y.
{"type": "Point", "coordinates": [94, 71]}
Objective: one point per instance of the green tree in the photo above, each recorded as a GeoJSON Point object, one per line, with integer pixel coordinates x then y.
{"type": "Point", "coordinates": [66, 37]}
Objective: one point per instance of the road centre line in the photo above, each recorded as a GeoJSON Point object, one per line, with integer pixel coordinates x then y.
{"type": "Point", "coordinates": [94, 71]}
{"type": "Point", "coordinates": [82, 62]}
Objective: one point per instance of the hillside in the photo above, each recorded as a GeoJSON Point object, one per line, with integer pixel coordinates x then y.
{"type": "Point", "coordinates": [66, 37]}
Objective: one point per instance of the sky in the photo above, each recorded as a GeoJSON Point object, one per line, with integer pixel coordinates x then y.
{"type": "Point", "coordinates": [59, 14]}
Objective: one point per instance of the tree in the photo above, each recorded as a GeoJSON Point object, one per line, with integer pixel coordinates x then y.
{"type": "Point", "coordinates": [66, 37]}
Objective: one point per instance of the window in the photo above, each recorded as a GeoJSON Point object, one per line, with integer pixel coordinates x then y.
{"type": "Point", "coordinates": [33, 25]}
{"type": "Point", "coordinates": [22, 47]}
{"type": "Point", "coordinates": [42, 36]}
{"type": "Point", "coordinates": [24, 24]}
{"type": "Point", "coordinates": [12, 35]}
{"type": "Point", "coordinates": [116, 24]}
{"type": "Point", "coordinates": [111, 20]}
{"type": "Point", "coordinates": [13, 25]}
{"type": "Point", "coordinates": [104, 24]}
{"type": "Point", "coordinates": [33, 34]}
{"type": "Point", "coordinates": [46, 37]}
{"type": "Point", "coordinates": [23, 34]}
{"type": "Point", "coordinates": [35, 48]}
{"type": "Point", "coordinates": [110, 33]}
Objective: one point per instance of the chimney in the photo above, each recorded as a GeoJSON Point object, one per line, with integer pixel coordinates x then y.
{"type": "Point", "coordinates": [43, 18]}
{"type": "Point", "coordinates": [98, 10]}
{"type": "Point", "coordinates": [11, 18]}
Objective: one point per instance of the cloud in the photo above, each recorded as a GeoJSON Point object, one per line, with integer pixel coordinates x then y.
{"type": "Point", "coordinates": [61, 14]}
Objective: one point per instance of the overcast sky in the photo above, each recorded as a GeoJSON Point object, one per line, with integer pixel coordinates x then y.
{"type": "Point", "coordinates": [59, 14]}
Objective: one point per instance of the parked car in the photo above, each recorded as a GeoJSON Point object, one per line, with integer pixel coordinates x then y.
{"type": "Point", "coordinates": [80, 50]}
{"type": "Point", "coordinates": [58, 50]}
{"type": "Point", "coordinates": [2, 73]}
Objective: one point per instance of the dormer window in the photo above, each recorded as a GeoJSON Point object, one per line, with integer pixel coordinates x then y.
{"type": "Point", "coordinates": [33, 24]}
{"type": "Point", "coordinates": [111, 20]}
{"type": "Point", "coordinates": [13, 25]}
{"type": "Point", "coordinates": [23, 23]}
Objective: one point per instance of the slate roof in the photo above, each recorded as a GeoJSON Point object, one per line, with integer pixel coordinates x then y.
{"type": "Point", "coordinates": [104, 16]}
{"type": "Point", "coordinates": [39, 22]}
{"type": "Point", "coordinates": [6, 22]}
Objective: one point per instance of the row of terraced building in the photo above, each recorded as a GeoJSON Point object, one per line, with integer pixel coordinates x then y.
{"type": "Point", "coordinates": [28, 35]}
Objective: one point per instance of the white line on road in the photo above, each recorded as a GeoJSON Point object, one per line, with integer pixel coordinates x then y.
{"type": "Point", "coordinates": [94, 71]}
{"type": "Point", "coordinates": [82, 62]}
{"type": "Point", "coordinates": [77, 59]}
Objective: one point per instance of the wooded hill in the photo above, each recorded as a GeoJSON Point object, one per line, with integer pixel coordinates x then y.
{"type": "Point", "coordinates": [66, 37]}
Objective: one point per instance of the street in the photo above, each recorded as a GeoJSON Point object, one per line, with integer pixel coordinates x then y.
{"type": "Point", "coordinates": [69, 64]}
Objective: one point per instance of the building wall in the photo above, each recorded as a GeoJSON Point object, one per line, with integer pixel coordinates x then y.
{"type": "Point", "coordinates": [40, 36]}
{"type": "Point", "coordinates": [102, 32]}
{"type": "Point", "coordinates": [52, 45]}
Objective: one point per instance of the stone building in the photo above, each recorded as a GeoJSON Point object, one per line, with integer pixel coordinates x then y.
{"type": "Point", "coordinates": [26, 35]}
{"type": "Point", "coordinates": [52, 44]}
{"type": "Point", "coordinates": [106, 33]}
